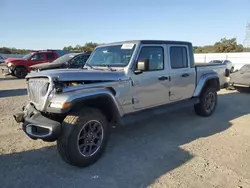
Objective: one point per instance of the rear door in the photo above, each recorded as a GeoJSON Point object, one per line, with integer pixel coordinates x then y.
{"type": "Point", "coordinates": [50, 56]}
{"type": "Point", "coordinates": [183, 76]}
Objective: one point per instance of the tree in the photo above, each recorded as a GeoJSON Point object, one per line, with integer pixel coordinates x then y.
{"type": "Point", "coordinates": [228, 45]}
{"type": "Point", "coordinates": [88, 47]}
{"type": "Point", "coordinates": [222, 46]}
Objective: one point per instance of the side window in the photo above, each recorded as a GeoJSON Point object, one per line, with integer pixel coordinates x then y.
{"type": "Point", "coordinates": [155, 56]}
{"type": "Point", "coordinates": [77, 61]}
{"type": "Point", "coordinates": [50, 56]}
{"type": "Point", "coordinates": [37, 57]}
{"type": "Point", "coordinates": [85, 58]}
{"type": "Point", "coordinates": [178, 57]}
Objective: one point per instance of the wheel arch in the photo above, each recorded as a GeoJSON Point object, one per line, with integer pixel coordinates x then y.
{"type": "Point", "coordinates": [104, 101]}
{"type": "Point", "coordinates": [20, 66]}
{"type": "Point", "coordinates": [208, 80]}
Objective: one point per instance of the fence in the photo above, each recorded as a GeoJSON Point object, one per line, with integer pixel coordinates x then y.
{"type": "Point", "coordinates": [12, 55]}
{"type": "Point", "coordinates": [238, 59]}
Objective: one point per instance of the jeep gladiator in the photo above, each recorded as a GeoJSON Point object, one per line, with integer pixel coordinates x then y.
{"type": "Point", "coordinates": [121, 83]}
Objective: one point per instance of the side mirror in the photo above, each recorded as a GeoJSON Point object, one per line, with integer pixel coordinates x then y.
{"type": "Point", "coordinates": [141, 66]}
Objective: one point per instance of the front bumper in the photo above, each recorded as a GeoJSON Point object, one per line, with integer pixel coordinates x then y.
{"type": "Point", "coordinates": [7, 71]}
{"type": "Point", "coordinates": [37, 126]}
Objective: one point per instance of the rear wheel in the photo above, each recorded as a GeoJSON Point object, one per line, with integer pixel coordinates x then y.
{"type": "Point", "coordinates": [84, 137]}
{"type": "Point", "coordinates": [208, 102]}
{"type": "Point", "coordinates": [20, 72]}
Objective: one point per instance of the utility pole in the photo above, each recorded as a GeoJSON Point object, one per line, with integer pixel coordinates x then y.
{"type": "Point", "coordinates": [246, 43]}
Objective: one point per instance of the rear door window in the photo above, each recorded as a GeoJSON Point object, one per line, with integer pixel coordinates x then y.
{"type": "Point", "coordinates": [50, 56]}
{"type": "Point", "coordinates": [178, 57]}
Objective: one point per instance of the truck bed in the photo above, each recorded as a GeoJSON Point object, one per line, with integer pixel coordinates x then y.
{"type": "Point", "coordinates": [203, 68]}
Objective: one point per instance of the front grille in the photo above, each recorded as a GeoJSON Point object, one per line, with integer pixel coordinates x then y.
{"type": "Point", "coordinates": [37, 89]}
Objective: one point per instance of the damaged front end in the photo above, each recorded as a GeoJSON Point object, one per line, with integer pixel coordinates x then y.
{"type": "Point", "coordinates": [55, 93]}
{"type": "Point", "coordinates": [36, 125]}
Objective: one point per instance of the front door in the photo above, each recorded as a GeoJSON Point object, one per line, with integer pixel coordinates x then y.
{"type": "Point", "coordinates": [151, 88]}
{"type": "Point", "coordinates": [183, 77]}
{"type": "Point", "coordinates": [37, 59]}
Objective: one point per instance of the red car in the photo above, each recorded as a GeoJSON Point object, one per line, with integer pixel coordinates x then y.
{"type": "Point", "coordinates": [20, 67]}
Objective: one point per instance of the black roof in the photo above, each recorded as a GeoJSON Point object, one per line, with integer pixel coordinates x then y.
{"type": "Point", "coordinates": [149, 42]}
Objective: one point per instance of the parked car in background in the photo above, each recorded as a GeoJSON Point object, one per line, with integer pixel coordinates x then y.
{"type": "Point", "coordinates": [229, 64]}
{"type": "Point", "coordinates": [240, 79]}
{"type": "Point", "coordinates": [20, 67]}
{"type": "Point", "coordinates": [70, 60]}
{"type": "Point", "coordinates": [1, 59]}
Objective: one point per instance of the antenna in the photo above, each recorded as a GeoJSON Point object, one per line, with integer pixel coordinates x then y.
{"type": "Point", "coordinates": [246, 43]}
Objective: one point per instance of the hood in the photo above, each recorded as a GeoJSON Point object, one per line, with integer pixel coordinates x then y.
{"type": "Point", "coordinates": [46, 65]}
{"type": "Point", "coordinates": [13, 59]}
{"type": "Point", "coordinates": [80, 75]}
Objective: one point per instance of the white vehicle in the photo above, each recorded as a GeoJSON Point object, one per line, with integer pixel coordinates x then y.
{"type": "Point", "coordinates": [229, 64]}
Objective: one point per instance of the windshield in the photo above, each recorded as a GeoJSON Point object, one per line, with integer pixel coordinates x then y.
{"type": "Point", "coordinates": [27, 56]}
{"type": "Point", "coordinates": [114, 56]}
{"type": "Point", "coordinates": [65, 58]}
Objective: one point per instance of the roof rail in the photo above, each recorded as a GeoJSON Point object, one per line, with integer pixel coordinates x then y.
{"type": "Point", "coordinates": [48, 50]}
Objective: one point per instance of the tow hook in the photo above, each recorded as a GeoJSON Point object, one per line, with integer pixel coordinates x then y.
{"type": "Point", "coordinates": [19, 117]}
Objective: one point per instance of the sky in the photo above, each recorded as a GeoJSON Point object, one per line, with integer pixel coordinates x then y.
{"type": "Point", "coordinates": [43, 24]}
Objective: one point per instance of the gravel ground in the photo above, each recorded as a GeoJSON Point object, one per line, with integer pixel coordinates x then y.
{"type": "Point", "coordinates": [178, 150]}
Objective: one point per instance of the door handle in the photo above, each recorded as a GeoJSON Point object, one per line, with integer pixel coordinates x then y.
{"type": "Point", "coordinates": [163, 78]}
{"type": "Point", "coordinates": [185, 75]}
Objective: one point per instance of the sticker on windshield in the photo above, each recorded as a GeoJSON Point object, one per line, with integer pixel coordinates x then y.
{"type": "Point", "coordinates": [127, 46]}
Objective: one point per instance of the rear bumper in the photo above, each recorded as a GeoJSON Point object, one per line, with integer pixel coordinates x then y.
{"type": "Point", "coordinates": [240, 85]}
{"type": "Point", "coordinates": [37, 126]}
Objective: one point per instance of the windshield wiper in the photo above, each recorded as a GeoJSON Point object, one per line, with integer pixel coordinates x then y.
{"type": "Point", "coordinates": [109, 67]}
{"type": "Point", "coordinates": [89, 65]}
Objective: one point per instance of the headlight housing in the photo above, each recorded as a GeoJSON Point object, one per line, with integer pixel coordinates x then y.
{"type": "Point", "coordinates": [9, 64]}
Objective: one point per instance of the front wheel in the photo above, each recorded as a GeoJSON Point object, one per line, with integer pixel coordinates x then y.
{"type": "Point", "coordinates": [84, 137]}
{"type": "Point", "coordinates": [20, 72]}
{"type": "Point", "coordinates": [208, 102]}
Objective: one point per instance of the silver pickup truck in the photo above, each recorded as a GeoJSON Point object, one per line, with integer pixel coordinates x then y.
{"type": "Point", "coordinates": [122, 83]}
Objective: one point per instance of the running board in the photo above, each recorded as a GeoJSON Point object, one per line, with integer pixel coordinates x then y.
{"type": "Point", "coordinates": [149, 113]}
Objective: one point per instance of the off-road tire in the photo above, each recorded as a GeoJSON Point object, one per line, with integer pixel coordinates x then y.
{"type": "Point", "coordinates": [200, 107]}
{"type": "Point", "coordinates": [20, 72]}
{"type": "Point", "coordinates": [67, 144]}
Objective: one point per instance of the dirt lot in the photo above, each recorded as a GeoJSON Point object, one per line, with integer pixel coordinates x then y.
{"type": "Point", "coordinates": [177, 150]}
